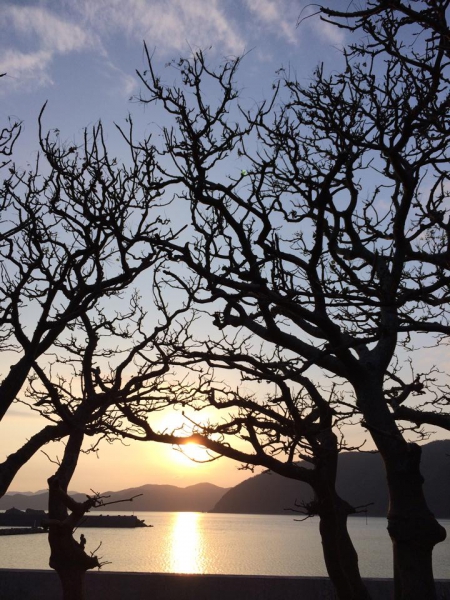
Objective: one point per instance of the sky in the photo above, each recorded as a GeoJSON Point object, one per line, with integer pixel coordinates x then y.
{"type": "Point", "coordinates": [81, 57]}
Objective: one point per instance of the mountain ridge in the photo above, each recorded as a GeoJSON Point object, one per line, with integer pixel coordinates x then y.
{"type": "Point", "coordinates": [200, 497]}
{"type": "Point", "coordinates": [361, 480]}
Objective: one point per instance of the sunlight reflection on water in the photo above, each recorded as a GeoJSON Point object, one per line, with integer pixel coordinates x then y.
{"type": "Point", "coordinates": [185, 544]}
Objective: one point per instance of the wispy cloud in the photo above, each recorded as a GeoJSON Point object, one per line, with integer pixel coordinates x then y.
{"type": "Point", "coordinates": [51, 31]}
{"type": "Point", "coordinates": [128, 84]}
{"type": "Point", "coordinates": [38, 34]}
{"type": "Point", "coordinates": [47, 36]}
{"type": "Point", "coordinates": [25, 67]}
{"type": "Point", "coordinates": [169, 25]}
{"type": "Point", "coordinates": [326, 32]}
{"type": "Point", "coordinates": [278, 16]}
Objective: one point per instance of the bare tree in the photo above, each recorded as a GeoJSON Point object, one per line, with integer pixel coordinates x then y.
{"type": "Point", "coordinates": [305, 419]}
{"type": "Point", "coordinates": [69, 557]}
{"type": "Point", "coordinates": [78, 234]}
{"type": "Point", "coordinates": [383, 20]}
{"type": "Point", "coordinates": [326, 250]}
{"type": "Point", "coordinates": [107, 360]}
{"type": "Point", "coordinates": [77, 230]}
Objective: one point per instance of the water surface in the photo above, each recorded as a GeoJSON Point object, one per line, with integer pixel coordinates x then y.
{"type": "Point", "coordinates": [222, 544]}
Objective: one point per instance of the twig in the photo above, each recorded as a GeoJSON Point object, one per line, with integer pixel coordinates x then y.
{"type": "Point", "coordinates": [124, 500]}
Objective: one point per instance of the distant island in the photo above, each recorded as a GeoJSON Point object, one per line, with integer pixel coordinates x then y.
{"type": "Point", "coordinates": [35, 521]}
{"type": "Point", "coordinates": [361, 480]}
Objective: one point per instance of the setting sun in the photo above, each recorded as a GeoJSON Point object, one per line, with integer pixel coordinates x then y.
{"type": "Point", "coordinates": [192, 454]}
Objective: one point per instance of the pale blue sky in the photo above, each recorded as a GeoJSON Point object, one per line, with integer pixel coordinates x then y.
{"type": "Point", "coordinates": [81, 55]}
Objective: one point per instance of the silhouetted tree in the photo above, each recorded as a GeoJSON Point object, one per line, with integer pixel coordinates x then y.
{"type": "Point", "coordinates": [327, 250]}
{"type": "Point", "coordinates": [110, 357]}
{"type": "Point", "coordinates": [68, 556]}
{"type": "Point", "coordinates": [84, 233]}
{"type": "Point", "coordinates": [298, 422]}
{"type": "Point", "coordinates": [76, 232]}
{"type": "Point", "coordinates": [384, 20]}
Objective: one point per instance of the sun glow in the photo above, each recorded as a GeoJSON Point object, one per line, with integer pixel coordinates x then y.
{"type": "Point", "coordinates": [191, 454]}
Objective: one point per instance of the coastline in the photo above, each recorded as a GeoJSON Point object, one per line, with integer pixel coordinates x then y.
{"type": "Point", "coordinates": [115, 585]}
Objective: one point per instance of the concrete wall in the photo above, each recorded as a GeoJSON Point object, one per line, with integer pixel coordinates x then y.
{"type": "Point", "coordinates": [44, 585]}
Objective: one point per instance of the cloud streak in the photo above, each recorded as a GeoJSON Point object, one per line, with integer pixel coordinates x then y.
{"type": "Point", "coordinates": [49, 31]}
{"type": "Point", "coordinates": [52, 32]}
{"type": "Point", "coordinates": [47, 36]}
{"type": "Point", "coordinates": [36, 35]}
{"type": "Point", "coordinates": [324, 31]}
{"type": "Point", "coordinates": [24, 67]}
{"type": "Point", "coordinates": [169, 25]}
{"type": "Point", "coordinates": [279, 17]}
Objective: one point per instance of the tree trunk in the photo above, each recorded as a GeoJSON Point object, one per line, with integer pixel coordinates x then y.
{"type": "Point", "coordinates": [413, 528]}
{"type": "Point", "coordinates": [72, 582]}
{"type": "Point", "coordinates": [340, 555]}
{"type": "Point", "coordinates": [69, 560]}
{"type": "Point", "coordinates": [67, 556]}
{"type": "Point", "coordinates": [13, 382]}
{"type": "Point", "coordinates": [16, 460]}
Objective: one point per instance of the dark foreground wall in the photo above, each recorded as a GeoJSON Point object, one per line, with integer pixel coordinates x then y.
{"type": "Point", "coordinates": [44, 585]}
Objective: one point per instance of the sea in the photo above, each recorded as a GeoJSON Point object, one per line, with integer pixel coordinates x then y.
{"type": "Point", "coordinates": [214, 543]}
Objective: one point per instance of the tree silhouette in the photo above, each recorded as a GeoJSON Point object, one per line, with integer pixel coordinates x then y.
{"type": "Point", "coordinates": [325, 253]}
{"type": "Point", "coordinates": [383, 22]}
{"type": "Point", "coordinates": [314, 269]}
{"type": "Point", "coordinates": [69, 557]}
{"type": "Point", "coordinates": [76, 232]}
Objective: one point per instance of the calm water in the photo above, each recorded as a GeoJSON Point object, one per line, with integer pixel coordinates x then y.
{"type": "Point", "coordinates": [222, 543]}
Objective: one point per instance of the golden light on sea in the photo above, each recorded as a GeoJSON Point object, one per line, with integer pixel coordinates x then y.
{"type": "Point", "coordinates": [185, 543]}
